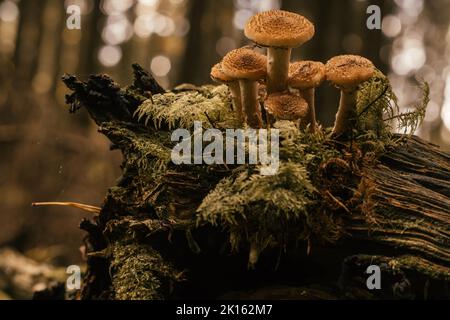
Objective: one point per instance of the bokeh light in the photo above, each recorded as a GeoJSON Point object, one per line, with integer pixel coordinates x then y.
{"type": "Point", "coordinates": [411, 8]}
{"type": "Point", "coordinates": [246, 8]}
{"type": "Point", "coordinates": [86, 6]}
{"type": "Point", "coordinates": [109, 55]}
{"type": "Point", "coordinates": [241, 17]}
{"type": "Point", "coordinates": [118, 29]}
{"type": "Point", "coordinates": [113, 7]}
{"type": "Point", "coordinates": [9, 11]}
{"type": "Point", "coordinates": [433, 111]}
{"type": "Point", "coordinates": [391, 26]}
{"type": "Point", "coordinates": [160, 65]}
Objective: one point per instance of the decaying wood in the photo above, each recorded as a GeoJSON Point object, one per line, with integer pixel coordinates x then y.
{"type": "Point", "coordinates": [409, 192]}
{"type": "Point", "coordinates": [399, 219]}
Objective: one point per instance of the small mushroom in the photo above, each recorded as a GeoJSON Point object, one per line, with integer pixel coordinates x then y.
{"type": "Point", "coordinates": [218, 75]}
{"type": "Point", "coordinates": [306, 76]}
{"type": "Point", "coordinates": [279, 31]}
{"type": "Point", "coordinates": [285, 106]}
{"type": "Point", "coordinates": [347, 72]}
{"type": "Point", "coordinates": [248, 67]}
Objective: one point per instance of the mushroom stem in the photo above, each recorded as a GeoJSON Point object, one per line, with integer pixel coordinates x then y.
{"type": "Point", "coordinates": [235, 91]}
{"type": "Point", "coordinates": [346, 115]}
{"type": "Point", "coordinates": [309, 96]}
{"type": "Point", "coordinates": [277, 68]}
{"type": "Point", "coordinates": [250, 102]}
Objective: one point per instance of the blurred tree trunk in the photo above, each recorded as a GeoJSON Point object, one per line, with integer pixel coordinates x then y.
{"type": "Point", "coordinates": [194, 42]}
{"type": "Point", "coordinates": [28, 41]}
{"type": "Point", "coordinates": [90, 40]}
{"type": "Point", "coordinates": [207, 19]}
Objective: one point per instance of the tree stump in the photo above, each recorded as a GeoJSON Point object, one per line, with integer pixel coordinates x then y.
{"type": "Point", "coordinates": [191, 232]}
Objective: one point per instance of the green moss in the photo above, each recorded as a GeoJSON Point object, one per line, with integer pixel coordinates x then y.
{"type": "Point", "coordinates": [211, 105]}
{"type": "Point", "coordinates": [257, 208]}
{"type": "Point", "coordinates": [146, 151]}
{"type": "Point", "coordinates": [379, 113]}
{"type": "Point", "coordinates": [309, 149]}
{"type": "Point", "coordinates": [269, 211]}
{"type": "Point", "coordinates": [375, 99]}
{"type": "Point", "coordinates": [140, 273]}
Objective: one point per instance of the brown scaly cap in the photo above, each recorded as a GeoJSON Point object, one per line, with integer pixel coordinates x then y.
{"type": "Point", "coordinates": [349, 70]}
{"type": "Point", "coordinates": [244, 63]}
{"type": "Point", "coordinates": [218, 75]}
{"type": "Point", "coordinates": [278, 28]}
{"type": "Point", "coordinates": [285, 106]}
{"type": "Point", "coordinates": [306, 74]}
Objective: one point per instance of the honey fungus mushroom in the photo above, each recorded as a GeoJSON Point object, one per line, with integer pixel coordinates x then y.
{"type": "Point", "coordinates": [347, 72]}
{"type": "Point", "coordinates": [247, 66]}
{"type": "Point", "coordinates": [306, 76]}
{"type": "Point", "coordinates": [285, 106]}
{"type": "Point", "coordinates": [218, 75]}
{"type": "Point", "coordinates": [279, 31]}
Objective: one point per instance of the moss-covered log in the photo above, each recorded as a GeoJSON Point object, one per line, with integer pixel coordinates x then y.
{"type": "Point", "coordinates": [197, 231]}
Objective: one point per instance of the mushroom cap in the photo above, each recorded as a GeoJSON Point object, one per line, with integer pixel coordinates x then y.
{"type": "Point", "coordinates": [285, 106]}
{"type": "Point", "coordinates": [349, 70]}
{"type": "Point", "coordinates": [278, 28]}
{"type": "Point", "coordinates": [306, 74]}
{"type": "Point", "coordinates": [218, 75]}
{"type": "Point", "coordinates": [244, 63]}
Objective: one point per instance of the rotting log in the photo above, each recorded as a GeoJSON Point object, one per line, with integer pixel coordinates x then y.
{"type": "Point", "coordinates": [392, 210]}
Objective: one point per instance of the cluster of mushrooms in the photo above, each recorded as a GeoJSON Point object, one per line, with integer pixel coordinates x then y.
{"type": "Point", "coordinates": [287, 89]}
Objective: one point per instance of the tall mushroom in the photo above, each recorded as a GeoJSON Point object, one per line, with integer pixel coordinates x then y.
{"type": "Point", "coordinates": [347, 72]}
{"type": "Point", "coordinates": [248, 67]}
{"type": "Point", "coordinates": [306, 76]}
{"type": "Point", "coordinates": [279, 31]}
{"type": "Point", "coordinates": [218, 75]}
{"type": "Point", "coordinates": [285, 106]}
